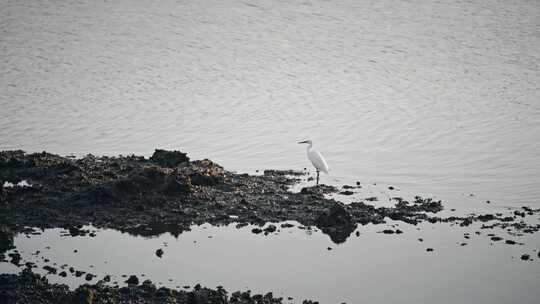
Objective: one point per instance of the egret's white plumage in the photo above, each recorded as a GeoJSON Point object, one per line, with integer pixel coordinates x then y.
{"type": "Point", "coordinates": [316, 158]}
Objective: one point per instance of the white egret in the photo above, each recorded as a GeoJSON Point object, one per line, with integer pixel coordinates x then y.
{"type": "Point", "coordinates": [316, 158]}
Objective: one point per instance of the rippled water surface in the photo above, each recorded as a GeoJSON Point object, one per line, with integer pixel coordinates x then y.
{"type": "Point", "coordinates": [438, 97]}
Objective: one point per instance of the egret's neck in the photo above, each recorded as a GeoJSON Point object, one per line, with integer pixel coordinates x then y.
{"type": "Point", "coordinates": [309, 146]}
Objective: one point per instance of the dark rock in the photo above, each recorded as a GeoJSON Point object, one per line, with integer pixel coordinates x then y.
{"type": "Point", "coordinates": [63, 274]}
{"type": "Point", "coordinates": [486, 217]}
{"type": "Point", "coordinates": [319, 190]}
{"type": "Point", "coordinates": [256, 230]}
{"type": "Point", "coordinates": [496, 238]}
{"type": "Point", "coordinates": [525, 257]}
{"type": "Point", "coordinates": [15, 258]}
{"type": "Point", "coordinates": [510, 242]}
{"type": "Point", "coordinates": [132, 280]}
{"type": "Point", "coordinates": [50, 269]}
{"type": "Point", "coordinates": [89, 277]}
{"type": "Point", "coordinates": [169, 158]}
{"type": "Point", "coordinates": [429, 249]}
{"type": "Point", "coordinates": [176, 186]}
{"type": "Point", "coordinates": [6, 237]}
{"type": "Point", "coordinates": [388, 231]}
{"type": "Point", "coordinates": [337, 223]}
{"type": "Point", "coordinates": [347, 192]}
{"type": "Point", "coordinates": [83, 295]}
{"type": "Point", "coordinates": [159, 252]}
{"type": "Point", "coordinates": [270, 229]}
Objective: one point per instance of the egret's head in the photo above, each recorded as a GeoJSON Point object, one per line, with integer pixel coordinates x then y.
{"type": "Point", "coordinates": [306, 142]}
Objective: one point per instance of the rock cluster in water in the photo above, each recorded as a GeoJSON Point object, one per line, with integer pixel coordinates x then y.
{"type": "Point", "coordinates": [168, 193]}
{"type": "Point", "coordinates": [28, 287]}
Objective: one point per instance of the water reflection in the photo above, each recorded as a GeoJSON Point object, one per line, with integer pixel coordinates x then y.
{"type": "Point", "coordinates": [303, 263]}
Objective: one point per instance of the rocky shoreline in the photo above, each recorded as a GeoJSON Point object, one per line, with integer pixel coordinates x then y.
{"type": "Point", "coordinates": [28, 287]}
{"type": "Point", "coordinates": [168, 192]}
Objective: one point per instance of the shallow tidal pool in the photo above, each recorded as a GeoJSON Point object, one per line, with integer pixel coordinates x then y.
{"type": "Point", "coordinates": [303, 263]}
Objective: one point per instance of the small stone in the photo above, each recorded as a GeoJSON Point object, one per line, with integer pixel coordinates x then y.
{"type": "Point", "coordinates": [388, 231]}
{"type": "Point", "coordinates": [50, 269]}
{"type": "Point", "coordinates": [107, 278]}
{"type": "Point", "coordinates": [329, 248]}
{"type": "Point", "coordinates": [132, 280]}
{"type": "Point", "coordinates": [89, 277]}
{"type": "Point", "coordinates": [271, 228]}
{"type": "Point", "coordinates": [399, 231]}
{"type": "Point", "coordinates": [63, 274]}
{"type": "Point", "coordinates": [421, 239]}
{"type": "Point", "coordinates": [390, 188]}
{"type": "Point", "coordinates": [429, 249]}
{"type": "Point", "coordinates": [496, 238]}
{"type": "Point", "coordinates": [15, 258]}
{"type": "Point", "coordinates": [256, 230]}
{"type": "Point", "coordinates": [525, 257]}
{"type": "Point", "coordinates": [159, 252]}
{"type": "Point", "coordinates": [510, 242]}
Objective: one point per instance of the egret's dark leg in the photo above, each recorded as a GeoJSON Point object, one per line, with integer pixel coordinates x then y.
{"type": "Point", "coordinates": [317, 177]}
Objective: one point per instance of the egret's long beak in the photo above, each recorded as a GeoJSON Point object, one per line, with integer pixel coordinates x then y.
{"type": "Point", "coordinates": [303, 142]}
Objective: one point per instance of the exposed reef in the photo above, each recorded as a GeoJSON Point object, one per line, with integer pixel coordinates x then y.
{"type": "Point", "coordinates": [169, 193]}
{"type": "Point", "coordinates": [28, 287]}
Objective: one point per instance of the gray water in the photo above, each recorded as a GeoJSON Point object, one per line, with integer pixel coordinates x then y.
{"type": "Point", "coordinates": [370, 268]}
{"type": "Point", "coordinates": [437, 98]}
